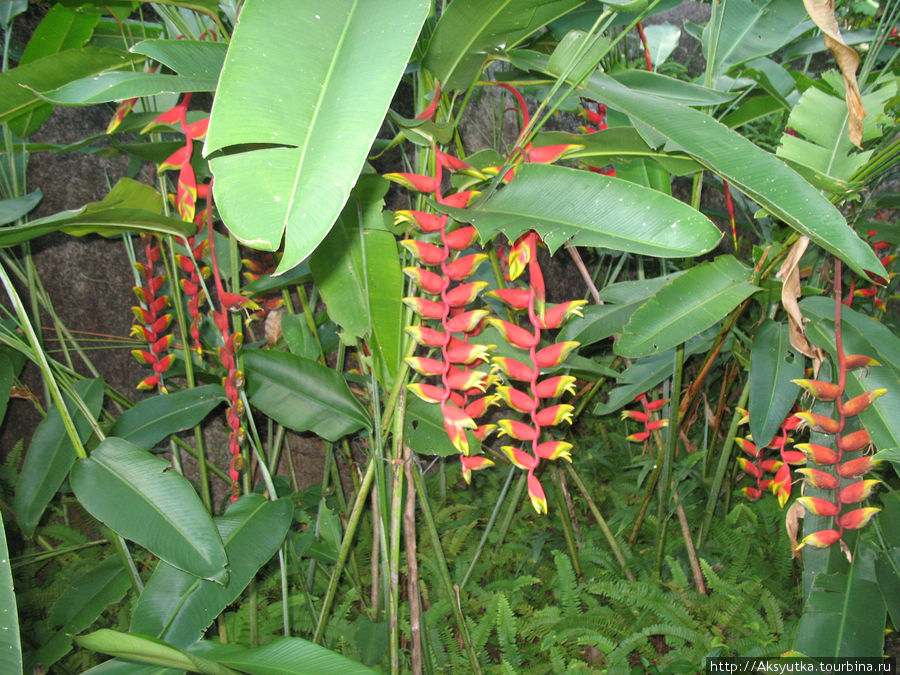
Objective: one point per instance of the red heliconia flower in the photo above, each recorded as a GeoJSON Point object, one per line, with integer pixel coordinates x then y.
{"type": "Point", "coordinates": [472, 463]}
{"type": "Point", "coordinates": [153, 321]}
{"type": "Point", "coordinates": [536, 493]}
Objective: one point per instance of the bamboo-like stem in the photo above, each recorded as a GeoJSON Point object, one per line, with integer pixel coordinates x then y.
{"type": "Point", "coordinates": [412, 564]}
{"type": "Point", "coordinates": [375, 594]}
{"type": "Point", "coordinates": [585, 274]}
{"type": "Point", "coordinates": [566, 522]}
{"type": "Point", "coordinates": [601, 521]}
{"type": "Point", "coordinates": [490, 526]}
{"type": "Point", "coordinates": [453, 592]}
{"type": "Point", "coordinates": [122, 549]}
{"type": "Point", "coordinates": [665, 476]}
{"type": "Point", "coordinates": [352, 524]}
{"type": "Point", "coordinates": [395, 522]}
{"type": "Point", "coordinates": [510, 512]}
{"type": "Point", "coordinates": [648, 495]}
{"type": "Point", "coordinates": [722, 467]}
{"type": "Point", "coordinates": [689, 545]}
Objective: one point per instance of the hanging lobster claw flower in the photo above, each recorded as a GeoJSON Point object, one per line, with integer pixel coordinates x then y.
{"type": "Point", "coordinates": [424, 365]}
{"type": "Point", "coordinates": [819, 507]}
{"type": "Point", "coordinates": [824, 391]}
{"type": "Point", "coordinates": [461, 238]}
{"type": "Point", "coordinates": [853, 442]}
{"type": "Point", "coordinates": [428, 309]}
{"type": "Point", "coordinates": [553, 450]}
{"type": "Point", "coordinates": [859, 403]}
{"type": "Point", "coordinates": [513, 369]}
{"type": "Point", "coordinates": [819, 454]}
{"type": "Point", "coordinates": [518, 430]}
{"type": "Point", "coordinates": [536, 493]}
{"type": "Point", "coordinates": [468, 353]}
{"type": "Point", "coordinates": [515, 399]}
{"type": "Point", "coordinates": [177, 159]}
{"type": "Point", "coordinates": [857, 518]}
{"type": "Point", "coordinates": [465, 322]}
{"type": "Point", "coordinates": [554, 355]}
{"type": "Point", "coordinates": [638, 437]}
{"type": "Point", "coordinates": [464, 294]}
{"type": "Point", "coordinates": [820, 423]}
{"type": "Point", "coordinates": [426, 222]}
{"type": "Point", "coordinates": [427, 253]}
{"type": "Point", "coordinates": [197, 130]}
{"type": "Point", "coordinates": [415, 181]}
{"type": "Point", "coordinates": [515, 335]}
{"type": "Point", "coordinates": [781, 484]}
{"type": "Point", "coordinates": [464, 267]}
{"type": "Point", "coordinates": [477, 407]}
{"type": "Point", "coordinates": [473, 463]}
{"type": "Point", "coordinates": [553, 387]}
{"type": "Point", "coordinates": [520, 459]}
{"type": "Point", "coordinates": [466, 380]}
{"type": "Point", "coordinates": [547, 154]}
{"type": "Point", "coordinates": [186, 193]}
{"type": "Point", "coordinates": [429, 393]}
{"type": "Point", "coordinates": [820, 539]}
{"type": "Point", "coordinates": [855, 468]}
{"type": "Point", "coordinates": [428, 281]}
{"type": "Point", "coordinates": [425, 336]}
{"type": "Point", "coordinates": [749, 467]}
{"type": "Point", "coordinates": [517, 298]}
{"type": "Point", "coordinates": [752, 493]}
{"type": "Point", "coordinates": [554, 415]}
{"type": "Point", "coordinates": [459, 200]}
{"type": "Point", "coordinates": [523, 250]}
{"type": "Point", "coordinates": [555, 316]}
{"type": "Point", "coordinates": [637, 416]}
{"type": "Point", "coordinates": [122, 110]}
{"type": "Point", "coordinates": [856, 492]}
{"type": "Point", "coordinates": [854, 361]}
{"type": "Point", "coordinates": [428, 113]}
{"type": "Point", "coordinates": [819, 479]}
{"type": "Point", "coordinates": [455, 423]}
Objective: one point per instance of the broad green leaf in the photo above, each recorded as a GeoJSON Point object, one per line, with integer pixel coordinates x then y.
{"type": "Point", "coordinates": [470, 29]}
{"type": "Point", "coordinates": [424, 431]}
{"type": "Point", "coordinates": [298, 336]}
{"type": "Point", "coordinates": [863, 335]}
{"type": "Point", "coordinates": [372, 639]}
{"type": "Point", "coordinates": [119, 85]}
{"type": "Point", "coordinates": [749, 31]}
{"type": "Point", "coordinates": [587, 209]}
{"type": "Point", "coordinates": [677, 91]}
{"type": "Point", "coordinates": [751, 109]}
{"type": "Point", "coordinates": [773, 364]}
{"type": "Point", "coordinates": [190, 58]}
{"type": "Point", "coordinates": [662, 40]}
{"type": "Point", "coordinates": [748, 168]}
{"type": "Point", "coordinates": [691, 303]}
{"type": "Point", "coordinates": [153, 419]}
{"type": "Point", "coordinates": [60, 29]}
{"type": "Point", "coordinates": [616, 145]}
{"type": "Point", "coordinates": [18, 86]}
{"type": "Point", "coordinates": [178, 607]}
{"type": "Point", "coordinates": [108, 32]}
{"type": "Point", "coordinates": [10, 646]}
{"type": "Point", "coordinates": [302, 395]}
{"type": "Point", "coordinates": [147, 650]}
{"type": "Point", "coordinates": [321, 120]}
{"type": "Point", "coordinates": [50, 455]}
{"type": "Point", "coordinates": [129, 207]}
{"type": "Point", "coordinates": [80, 604]}
{"type": "Point", "coordinates": [845, 613]}
{"type": "Point", "coordinates": [646, 373]}
{"type": "Point", "coordinates": [601, 321]}
{"type": "Point", "coordinates": [10, 10]}
{"type": "Point", "coordinates": [13, 209]}
{"type": "Point", "coordinates": [357, 270]}
{"type": "Point", "coordinates": [887, 564]}
{"type": "Point", "coordinates": [142, 499]}
{"type": "Point", "coordinates": [568, 49]}
{"type": "Point", "coordinates": [825, 154]}
{"type": "Point", "coordinates": [285, 656]}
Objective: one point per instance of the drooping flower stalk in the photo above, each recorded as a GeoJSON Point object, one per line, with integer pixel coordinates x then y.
{"type": "Point", "coordinates": [846, 483]}
{"type": "Point", "coordinates": [192, 286]}
{"type": "Point", "coordinates": [151, 319]}
{"type": "Point", "coordinates": [539, 390]}
{"type": "Point", "coordinates": [645, 417]}
{"type": "Point", "coordinates": [596, 121]}
{"type": "Point", "coordinates": [462, 389]}
{"type": "Point", "coordinates": [762, 463]}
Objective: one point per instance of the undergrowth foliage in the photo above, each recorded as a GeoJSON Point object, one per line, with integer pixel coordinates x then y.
{"type": "Point", "coordinates": [295, 477]}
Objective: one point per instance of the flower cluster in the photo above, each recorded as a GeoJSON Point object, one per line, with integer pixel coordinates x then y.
{"type": "Point", "coordinates": [845, 469]}
{"type": "Point", "coordinates": [762, 463]}
{"type": "Point", "coordinates": [870, 291]}
{"type": "Point", "coordinates": [461, 392]}
{"type": "Point", "coordinates": [645, 417]}
{"type": "Point", "coordinates": [151, 319]}
{"type": "Point", "coordinates": [527, 373]}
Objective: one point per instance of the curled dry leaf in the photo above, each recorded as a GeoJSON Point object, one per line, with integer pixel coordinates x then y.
{"type": "Point", "coordinates": [790, 294]}
{"type": "Point", "coordinates": [822, 12]}
{"type": "Point", "coordinates": [273, 327]}
{"type": "Point", "coordinates": [792, 519]}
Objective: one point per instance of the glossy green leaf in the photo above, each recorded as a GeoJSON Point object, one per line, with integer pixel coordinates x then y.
{"type": "Point", "coordinates": [302, 394]}
{"type": "Point", "coordinates": [621, 300]}
{"type": "Point", "coordinates": [129, 207]}
{"type": "Point", "coordinates": [646, 373]}
{"type": "Point", "coordinates": [863, 335]}
{"type": "Point", "coordinates": [120, 85]}
{"type": "Point", "coordinates": [357, 270]}
{"type": "Point", "coordinates": [60, 29]}
{"type": "Point", "coordinates": [190, 58]}
{"type": "Point", "coordinates": [662, 40]}
{"type": "Point", "coordinates": [845, 613]}
{"type": "Point", "coordinates": [587, 209]}
{"type": "Point", "coordinates": [147, 650]}
{"type": "Point", "coordinates": [285, 656]}
{"type": "Point", "coordinates": [142, 499]}
{"type": "Point", "coordinates": [687, 305]}
{"type": "Point", "coordinates": [80, 604]}
{"type": "Point", "coordinates": [887, 563]}
{"type": "Point", "coordinates": [179, 607]}
{"type": "Point", "coordinates": [13, 209]}
{"type": "Point", "coordinates": [751, 109]}
{"type": "Point", "coordinates": [10, 645]}
{"type": "Point", "coordinates": [50, 455]}
{"type": "Point", "coordinates": [748, 168]}
{"type": "Point", "coordinates": [424, 431]}
{"type": "Point", "coordinates": [10, 10]}
{"type": "Point", "coordinates": [677, 91]}
{"type": "Point", "coordinates": [470, 29]}
{"type": "Point", "coordinates": [18, 85]}
{"type": "Point", "coordinates": [322, 120]}
{"type": "Point", "coordinates": [773, 364]}
{"type": "Point", "coordinates": [155, 418]}
{"type": "Point", "coordinates": [616, 145]}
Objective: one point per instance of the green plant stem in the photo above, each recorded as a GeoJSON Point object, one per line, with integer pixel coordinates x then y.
{"type": "Point", "coordinates": [396, 516]}
{"type": "Point", "coordinates": [122, 549]}
{"type": "Point", "coordinates": [346, 542]}
{"type": "Point", "coordinates": [490, 526]}
{"type": "Point", "coordinates": [253, 611]}
{"type": "Point", "coordinates": [43, 556]}
{"type": "Point", "coordinates": [665, 476]}
{"type": "Point", "coordinates": [510, 512]}
{"type": "Point", "coordinates": [566, 522]}
{"type": "Point", "coordinates": [601, 521]}
{"type": "Point", "coordinates": [453, 593]}
{"type": "Point", "coordinates": [310, 317]}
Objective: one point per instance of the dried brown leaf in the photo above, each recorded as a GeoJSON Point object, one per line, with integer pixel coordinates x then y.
{"type": "Point", "coordinates": [822, 13]}
{"type": "Point", "coordinates": [790, 294]}
{"type": "Point", "coordinates": [792, 519]}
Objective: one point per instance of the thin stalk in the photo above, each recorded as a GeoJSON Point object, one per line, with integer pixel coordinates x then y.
{"type": "Point", "coordinates": [346, 542]}
{"type": "Point", "coordinates": [510, 512]}
{"type": "Point", "coordinates": [310, 317]}
{"type": "Point", "coordinates": [722, 467]}
{"type": "Point", "coordinates": [396, 518]}
{"type": "Point", "coordinates": [601, 521]}
{"type": "Point", "coordinates": [412, 564]}
{"type": "Point", "coordinates": [566, 522]}
{"type": "Point", "coordinates": [253, 607]}
{"type": "Point", "coordinates": [43, 556]}
{"type": "Point", "coordinates": [583, 271]}
{"type": "Point", "coordinates": [453, 593]}
{"type": "Point", "coordinates": [122, 549]}
{"type": "Point", "coordinates": [665, 476]}
{"type": "Point", "coordinates": [689, 546]}
{"type": "Point", "coordinates": [490, 526]}
{"type": "Point", "coordinates": [285, 617]}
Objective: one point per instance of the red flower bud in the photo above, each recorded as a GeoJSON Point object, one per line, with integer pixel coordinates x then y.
{"type": "Point", "coordinates": [859, 403]}
{"type": "Point", "coordinates": [517, 298]}
{"type": "Point", "coordinates": [461, 238]}
{"type": "Point", "coordinates": [426, 222]}
{"type": "Point", "coordinates": [536, 494]}
{"type": "Point", "coordinates": [553, 387]}
{"type": "Point", "coordinates": [820, 454]}
{"type": "Point", "coordinates": [855, 468]}
{"type": "Point", "coordinates": [820, 423]}
{"type": "Point", "coordinates": [854, 361]}
{"type": "Point", "coordinates": [554, 355]}
{"type": "Point", "coordinates": [857, 518]}
{"type": "Point", "coordinates": [856, 492]}
{"type": "Point", "coordinates": [820, 539]}
{"type": "Point", "coordinates": [464, 267]}
{"type": "Point", "coordinates": [824, 391]}
{"type": "Point", "coordinates": [427, 253]}
{"type": "Point", "coordinates": [819, 507]}
{"type": "Point", "coordinates": [427, 280]}
{"type": "Point", "coordinates": [820, 479]}
{"type": "Point", "coordinates": [521, 459]}
{"type": "Point", "coordinates": [513, 369]}
{"type": "Point", "coordinates": [854, 441]}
